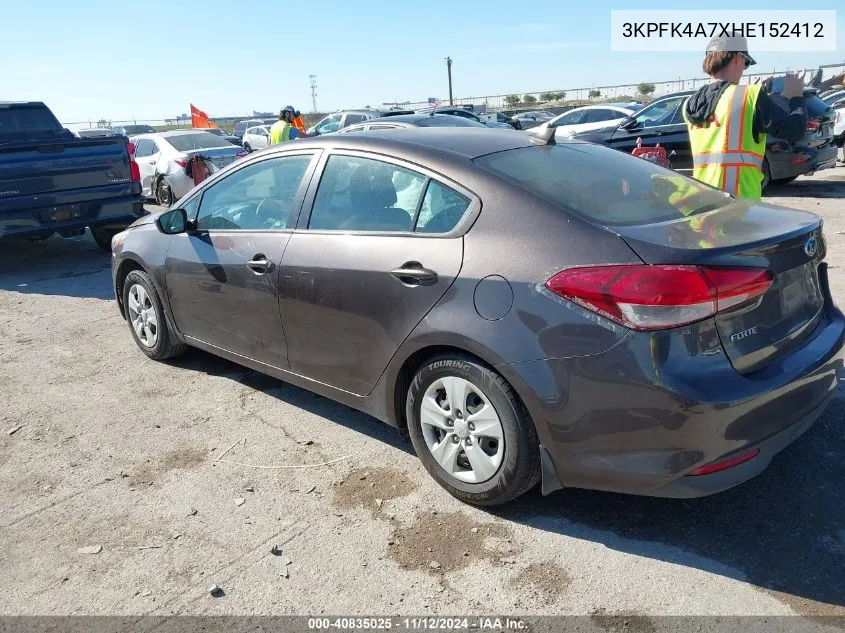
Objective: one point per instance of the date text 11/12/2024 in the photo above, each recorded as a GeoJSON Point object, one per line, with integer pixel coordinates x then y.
{"type": "Point", "coordinates": [416, 624]}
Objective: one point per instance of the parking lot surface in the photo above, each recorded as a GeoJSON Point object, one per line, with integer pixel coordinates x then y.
{"type": "Point", "coordinates": [116, 500]}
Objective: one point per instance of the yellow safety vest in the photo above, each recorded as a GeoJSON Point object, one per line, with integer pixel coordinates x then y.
{"type": "Point", "coordinates": [279, 132]}
{"type": "Point", "coordinates": [725, 153]}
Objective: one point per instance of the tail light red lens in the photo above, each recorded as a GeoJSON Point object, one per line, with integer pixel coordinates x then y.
{"type": "Point", "coordinates": [134, 171]}
{"type": "Point", "coordinates": [813, 126]}
{"type": "Point", "coordinates": [181, 163]}
{"type": "Point", "coordinates": [646, 297]}
{"type": "Point", "coordinates": [724, 464]}
{"type": "Point", "coordinates": [131, 148]}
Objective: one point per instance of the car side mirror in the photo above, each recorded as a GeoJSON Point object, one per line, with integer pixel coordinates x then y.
{"type": "Point", "coordinates": [630, 124]}
{"type": "Point", "coordinates": [839, 104]}
{"type": "Point", "coordinates": [173, 222]}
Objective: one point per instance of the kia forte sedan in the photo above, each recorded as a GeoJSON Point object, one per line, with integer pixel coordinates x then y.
{"type": "Point", "coordinates": [528, 312]}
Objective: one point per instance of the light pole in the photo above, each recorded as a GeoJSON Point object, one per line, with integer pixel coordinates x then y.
{"type": "Point", "coordinates": [313, 79]}
{"type": "Point", "coordinates": [449, 72]}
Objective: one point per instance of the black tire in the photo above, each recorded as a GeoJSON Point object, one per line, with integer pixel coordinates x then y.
{"type": "Point", "coordinates": [165, 346]}
{"type": "Point", "coordinates": [164, 195]}
{"type": "Point", "coordinates": [783, 181]}
{"type": "Point", "coordinates": [102, 237]}
{"type": "Point", "coordinates": [767, 175]}
{"type": "Point", "coordinates": [520, 467]}
{"type": "Point", "coordinates": [247, 148]}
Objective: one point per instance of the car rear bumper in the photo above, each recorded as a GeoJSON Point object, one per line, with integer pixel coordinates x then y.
{"type": "Point", "coordinates": [640, 417]}
{"type": "Point", "coordinates": [40, 221]}
{"type": "Point", "coordinates": [783, 165]}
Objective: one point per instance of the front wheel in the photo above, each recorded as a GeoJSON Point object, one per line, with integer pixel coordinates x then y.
{"type": "Point", "coordinates": [471, 432]}
{"type": "Point", "coordinates": [247, 148]}
{"type": "Point", "coordinates": [146, 319]}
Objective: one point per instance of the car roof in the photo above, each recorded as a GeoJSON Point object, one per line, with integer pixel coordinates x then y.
{"type": "Point", "coordinates": [428, 142]}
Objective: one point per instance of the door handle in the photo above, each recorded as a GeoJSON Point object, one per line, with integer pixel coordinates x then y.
{"type": "Point", "coordinates": [413, 274]}
{"type": "Point", "coordinates": [260, 264]}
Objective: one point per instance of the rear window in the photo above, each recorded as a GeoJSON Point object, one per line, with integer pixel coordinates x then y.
{"type": "Point", "coordinates": [196, 140]}
{"type": "Point", "coordinates": [448, 120]}
{"type": "Point", "coordinates": [603, 185]}
{"type": "Point", "coordinates": [18, 120]}
{"type": "Point", "coordinates": [816, 106]}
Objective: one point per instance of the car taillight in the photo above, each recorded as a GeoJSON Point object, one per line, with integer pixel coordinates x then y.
{"type": "Point", "coordinates": [181, 163]}
{"type": "Point", "coordinates": [813, 126]}
{"type": "Point", "coordinates": [648, 297]}
{"type": "Point", "coordinates": [134, 171]}
{"type": "Point", "coordinates": [131, 149]}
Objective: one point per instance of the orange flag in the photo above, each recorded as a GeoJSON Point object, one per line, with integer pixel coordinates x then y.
{"type": "Point", "coordinates": [200, 118]}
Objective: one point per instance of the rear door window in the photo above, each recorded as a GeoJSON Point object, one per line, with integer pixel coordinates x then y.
{"type": "Point", "coordinates": [603, 185]}
{"type": "Point", "coordinates": [361, 194]}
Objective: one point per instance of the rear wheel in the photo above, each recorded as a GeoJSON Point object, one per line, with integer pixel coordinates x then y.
{"type": "Point", "coordinates": [247, 148]}
{"type": "Point", "coordinates": [471, 431]}
{"type": "Point", "coordinates": [145, 316]}
{"type": "Point", "coordinates": [164, 195]}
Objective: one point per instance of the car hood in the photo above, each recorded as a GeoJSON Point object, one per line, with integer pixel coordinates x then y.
{"type": "Point", "coordinates": [146, 219]}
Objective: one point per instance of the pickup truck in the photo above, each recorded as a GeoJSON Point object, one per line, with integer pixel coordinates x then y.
{"type": "Point", "coordinates": [52, 181]}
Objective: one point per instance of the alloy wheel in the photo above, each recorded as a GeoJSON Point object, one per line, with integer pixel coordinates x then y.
{"type": "Point", "coordinates": [143, 316]}
{"type": "Point", "coordinates": [462, 430]}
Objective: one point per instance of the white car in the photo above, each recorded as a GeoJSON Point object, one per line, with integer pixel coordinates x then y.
{"type": "Point", "coordinates": [163, 160]}
{"type": "Point", "coordinates": [256, 137]}
{"type": "Point", "coordinates": [588, 118]}
{"type": "Point", "coordinates": [836, 100]}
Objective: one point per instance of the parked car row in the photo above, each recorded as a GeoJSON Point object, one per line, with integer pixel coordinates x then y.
{"type": "Point", "coordinates": [661, 121]}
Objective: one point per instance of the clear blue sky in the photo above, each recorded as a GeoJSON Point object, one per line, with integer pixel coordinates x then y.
{"type": "Point", "coordinates": [119, 60]}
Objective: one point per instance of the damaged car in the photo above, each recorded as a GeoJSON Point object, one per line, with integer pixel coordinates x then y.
{"type": "Point", "coordinates": [165, 161]}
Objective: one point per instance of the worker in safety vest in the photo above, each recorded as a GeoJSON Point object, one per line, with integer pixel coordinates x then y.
{"type": "Point", "coordinates": [688, 197]}
{"type": "Point", "coordinates": [728, 122]}
{"type": "Point", "coordinates": [283, 129]}
{"type": "Point", "coordinates": [298, 123]}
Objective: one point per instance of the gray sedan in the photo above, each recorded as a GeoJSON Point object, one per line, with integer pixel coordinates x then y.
{"type": "Point", "coordinates": [526, 312]}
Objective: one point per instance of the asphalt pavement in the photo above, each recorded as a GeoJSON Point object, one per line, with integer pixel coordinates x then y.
{"type": "Point", "coordinates": [132, 486]}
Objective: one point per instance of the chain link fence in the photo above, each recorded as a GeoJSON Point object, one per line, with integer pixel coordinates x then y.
{"type": "Point", "coordinates": [558, 100]}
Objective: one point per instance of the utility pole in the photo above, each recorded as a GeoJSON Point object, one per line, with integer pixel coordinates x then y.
{"type": "Point", "coordinates": [449, 71]}
{"type": "Point", "coordinates": [313, 79]}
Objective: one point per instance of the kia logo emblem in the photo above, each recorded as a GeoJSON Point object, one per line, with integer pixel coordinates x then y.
{"type": "Point", "coordinates": [811, 247]}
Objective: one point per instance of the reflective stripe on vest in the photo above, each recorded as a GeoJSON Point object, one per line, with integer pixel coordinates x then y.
{"type": "Point", "coordinates": [725, 153]}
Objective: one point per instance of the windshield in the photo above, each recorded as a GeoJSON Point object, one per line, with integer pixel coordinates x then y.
{"type": "Point", "coordinates": [603, 185]}
{"type": "Point", "coordinates": [196, 140]}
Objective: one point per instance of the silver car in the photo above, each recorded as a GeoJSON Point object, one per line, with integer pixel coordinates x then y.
{"type": "Point", "coordinates": [163, 160]}
{"type": "Point", "coordinates": [257, 137]}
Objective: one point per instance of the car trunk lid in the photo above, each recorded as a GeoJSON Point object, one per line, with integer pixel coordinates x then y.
{"type": "Point", "coordinates": [789, 243]}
